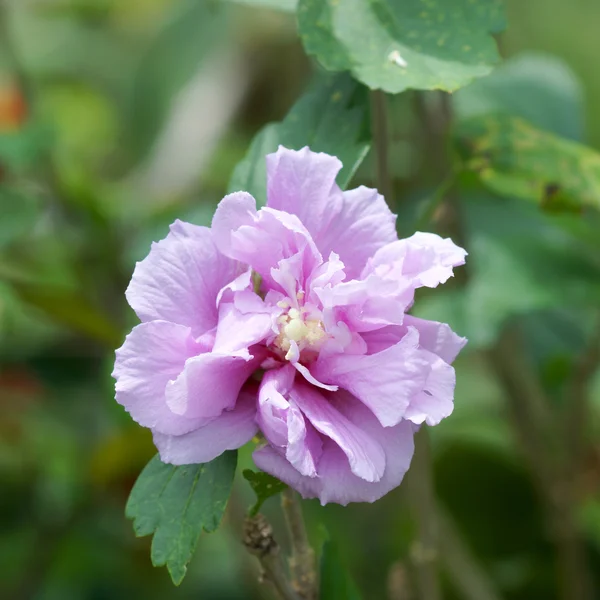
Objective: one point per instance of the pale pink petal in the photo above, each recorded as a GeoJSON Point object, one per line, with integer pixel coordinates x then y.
{"type": "Point", "coordinates": [335, 481]}
{"type": "Point", "coordinates": [424, 259]}
{"type": "Point", "coordinates": [353, 224]}
{"type": "Point", "coordinates": [385, 382]}
{"type": "Point", "coordinates": [210, 383]}
{"type": "Point", "coordinates": [433, 336]}
{"type": "Point", "coordinates": [231, 430]}
{"type": "Point", "coordinates": [283, 425]}
{"type": "Point", "coordinates": [436, 401]}
{"type": "Point", "coordinates": [437, 338]}
{"type": "Point", "coordinates": [243, 322]}
{"type": "Point", "coordinates": [180, 279]}
{"type": "Point", "coordinates": [262, 239]}
{"type": "Point", "coordinates": [153, 354]}
{"type": "Point", "coordinates": [365, 455]}
{"type": "Point", "coordinates": [240, 283]}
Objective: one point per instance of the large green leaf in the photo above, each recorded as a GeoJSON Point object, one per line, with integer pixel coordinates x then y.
{"type": "Point", "coordinates": [335, 581]}
{"type": "Point", "coordinates": [537, 87]}
{"type": "Point", "coordinates": [513, 158]}
{"type": "Point", "coordinates": [328, 118]}
{"type": "Point", "coordinates": [176, 504]}
{"type": "Point", "coordinates": [396, 45]}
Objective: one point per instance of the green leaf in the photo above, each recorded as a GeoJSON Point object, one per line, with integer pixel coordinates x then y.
{"type": "Point", "coordinates": [176, 504]}
{"type": "Point", "coordinates": [336, 583]}
{"type": "Point", "coordinates": [513, 158]}
{"type": "Point", "coordinates": [264, 486]}
{"type": "Point", "coordinates": [328, 118]}
{"type": "Point", "coordinates": [396, 45]}
{"type": "Point", "coordinates": [537, 87]}
{"type": "Point", "coordinates": [176, 55]}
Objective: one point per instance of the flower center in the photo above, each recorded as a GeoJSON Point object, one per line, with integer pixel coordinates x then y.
{"type": "Point", "coordinates": [303, 327]}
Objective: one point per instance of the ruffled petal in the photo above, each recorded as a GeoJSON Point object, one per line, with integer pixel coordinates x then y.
{"type": "Point", "coordinates": [433, 336]}
{"type": "Point", "coordinates": [437, 338]}
{"type": "Point", "coordinates": [283, 425]}
{"type": "Point", "coordinates": [335, 481]}
{"type": "Point", "coordinates": [245, 321]}
{"type": "Point", "coordinates": [424, 259]}
{"type": "Point", "coordinates": [436, 401]}
{"type": "Point", "coordinates": [385, 382]}
{"type": "Point", "coordinates": [353, 224]}
{"type": "Point", "coordinates": [263, 239]}
{"type": "Point", "coordinates": [365, 455]}
{"type": "Point", "coordinates": [210, 383]}
{"type": "Point", "coordinates": [231, 430]}
{"type": "Point", "coordinates": [153, 354]}
{"type": "Point", "coordinates": [180, 279]}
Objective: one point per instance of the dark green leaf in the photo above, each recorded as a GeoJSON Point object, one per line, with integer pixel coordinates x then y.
{"type": "Point", "coordinates": [513, 158]}
{"type": "Point", "coordinates": [176, 504]}
{"type": "Point", "coordinates": [336, 582]}
{"type": "Point", "coordinates": [264, 486]}
{"type": "Point", "coordinates": [396, 45]}
{"type": "Point", "coordinates": [537, 87]}
{"type": "Point", "coordinates": [174, 58]}
{"type": "Point", "coordinates": [329, 118]}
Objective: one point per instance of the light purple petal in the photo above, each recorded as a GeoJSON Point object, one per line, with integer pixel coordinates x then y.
{"type": "Point", "coordinates": [263, 239]}
{"type": "Point", "coordinates": [433, 336]}
{"type": "Point", "coordinates": [437, 338]}
{"type": "Point", "coordinates": [353, 224]}
{"type": "Point", "coordinates": [210, 383]}
{"type": "Point", "coordinates": [231, 430]}
{"type": "Point", "coordinates": [180, 279]}
{"type": "Point", "coordinates": [282, 423]}
{"type": "Point", "coordinates": [245, 321]}
{"type": "Point", "coordinates": [335, 481]}
{"type": "Point", "coordinates": [153, 354]}
{"type": "Point", "coordinates": [385, 382]}
{"type": "Point", "coordinates": [436, 401]}
{"type": "Point", "coordinates": [365, 455]}
{"type": "Point", "coordinates": [424, 259]}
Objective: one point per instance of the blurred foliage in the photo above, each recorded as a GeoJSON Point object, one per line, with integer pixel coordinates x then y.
{"type": "Point", "coordinates": [105, 110]}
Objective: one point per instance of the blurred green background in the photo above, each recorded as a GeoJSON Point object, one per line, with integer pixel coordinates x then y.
{"type": "Point", "coordinates": [116, 117]}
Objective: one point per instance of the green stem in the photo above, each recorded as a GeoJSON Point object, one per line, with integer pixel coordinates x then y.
{"type": "Point", "coordinates": [380, 133]}
{"type": "Point", "coordinates": [302, 559]}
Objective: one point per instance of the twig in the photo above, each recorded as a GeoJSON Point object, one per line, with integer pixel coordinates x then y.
{"type": "Point", "coordinates": [302, 559]}
{"type": "Point", "coordinates": [258, 538]}
{"type": "Point", "coordinates": [578, 400]}
{"type": "Point", "coordinates": [425, 551]}
{"type": "Point", "coordinates": [380, 133]}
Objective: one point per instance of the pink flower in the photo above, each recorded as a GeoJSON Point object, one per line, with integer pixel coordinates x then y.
{"type": "Point", "coordinates": [310, 292]}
